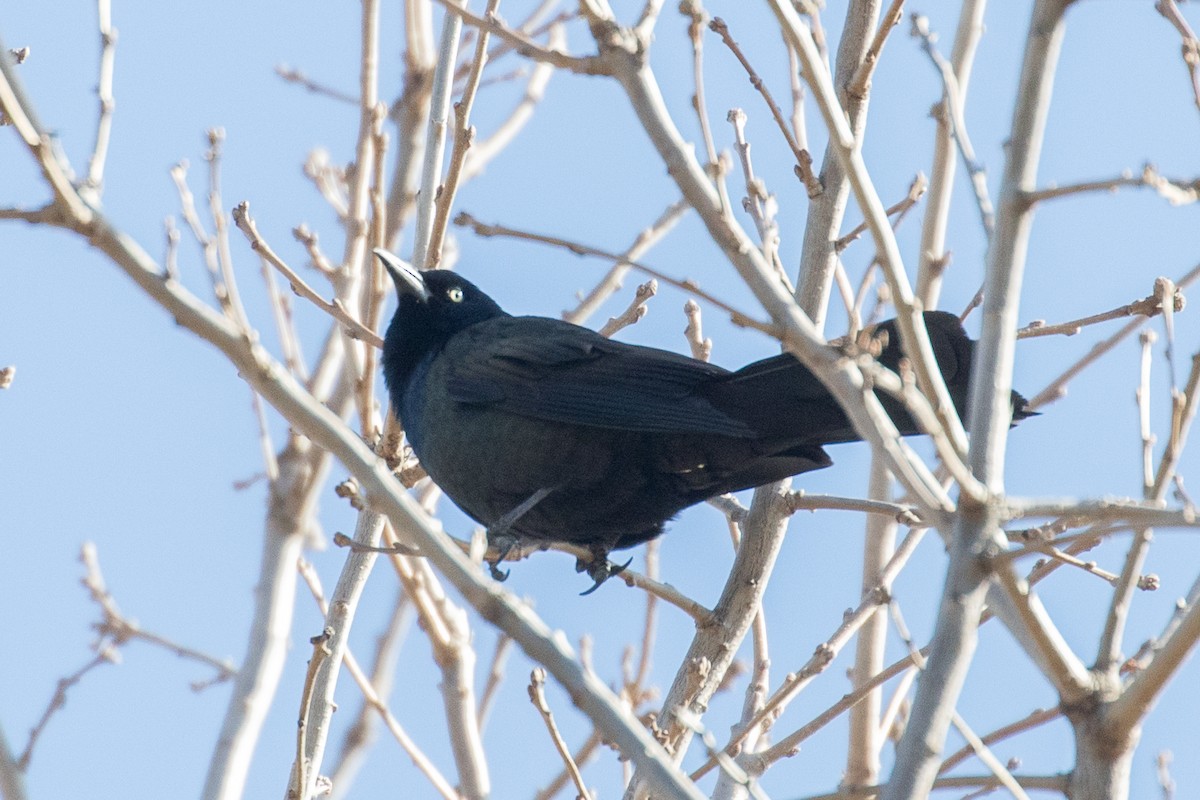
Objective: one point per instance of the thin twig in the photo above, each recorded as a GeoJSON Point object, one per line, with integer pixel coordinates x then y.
{"type": "Point", "coordinates": [825, 653]}
{"type": "Point", "coordinates": [803, 159]}
{"type": "Point", "coordinates": [464, 136]}
{"type": "Point", "coordinates": [860, 85]}
{"type": "Point", "coordinates": [636, 310]}
{"type": "Point", "coordinates": [94, 182]}
{"type": "Point", "coordinates": [916, 190]}
{"type": "Point", "coordinates": [537, 696]}
{"type": "Point", "coordinates": [1032, 720]}
{"type": "Point", "coordinates": [800, 500]}
{"type": "Point", "coordinates": [586, 65]}
{"type": "Point", "coordinates": [105, 654]}
{"type": "Point", "coordinates": [295, 76]}
{"type": "Point", "coordinates": [715, 165]}
{"type": "Point", "coordinates": [319, 261]}
{"type": "Point", "coordinates": [495, 678]}
{"type": "Point", "coordinates": [935, 258]}
{"type": "Point", "coordinates": [330, 181]}
{"type": "Point", "coordinates": [484, 229]}
{"type": "Point", "coordinates": [957, 120]}
{"type": "Point", "coordinates": [1190, 46]}
{"type": "Point", "coordinates": [586, 752]}
{"type": "Point", "coordinates": [611, 282]}
{"type": "Point", "coordinates": [119, 629]}
{"type": "Point", "coordinates": [302, 767]}
{"type": "Point", "coordinates": [374, 699]}
{"type": "Point", "coordinates": [1148, 306]}
{"type": "Point", "coordinates": [486, 149]}
{"type": "Point", "coordinates": [245, 223]}
{"type": "Point", "coordinates": [694, 332]}
{"type": "Point", "coordinates": [1176, 191]}
{"type": "Point", "coordinates": [758, 203]}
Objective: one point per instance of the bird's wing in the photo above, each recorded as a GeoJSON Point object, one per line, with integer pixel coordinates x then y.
{"type": "Point", "coordinates": [546, 369]}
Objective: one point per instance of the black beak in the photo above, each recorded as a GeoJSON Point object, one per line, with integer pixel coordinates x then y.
{"type": "Point", "coordinates": [408, 280]}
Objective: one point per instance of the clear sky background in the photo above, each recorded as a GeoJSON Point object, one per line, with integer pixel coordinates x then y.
{"type": "Point", "coordinates": [124, 430]}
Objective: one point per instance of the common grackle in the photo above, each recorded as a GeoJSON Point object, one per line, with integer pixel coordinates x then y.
{"type": "Point", "coordinates": [546, 431]}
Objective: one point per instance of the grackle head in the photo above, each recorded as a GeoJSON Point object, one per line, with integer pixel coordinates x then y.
{"type": "Point", "coordinates": [433, 306]}
{"type": "Point", "coordinates": [437, 300]}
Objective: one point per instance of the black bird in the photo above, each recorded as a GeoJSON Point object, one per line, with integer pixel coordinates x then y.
{"type": "Point", "coordinates": [546, 431]}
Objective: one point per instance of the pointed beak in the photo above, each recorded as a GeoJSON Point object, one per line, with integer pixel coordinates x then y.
{"type": "Point", "coordinates": [407, 280]}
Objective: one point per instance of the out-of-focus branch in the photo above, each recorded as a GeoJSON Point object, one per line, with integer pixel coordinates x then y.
{"type": "Point", "coordinates": [1176, 191]}
{"type": "Point", "coordinates": [934, 256]}
{"type": "Point", "coordinates": [611, 281]}
{"type": "Point", "coordinates": [326, 430]}
{"type": "Point", "coordinates": [464, 137]}
{"type": "Point", "coordinates": [1034, 719]}
{"type": "Point", "coordinates": [119, 629]}
{"type": "Point", "coordinates": [487, 697]}
{"type": "Point", "coordinates": [1191, 45]}
{"type": "Point", "coordinates": [410, 113]}
{"type": "Point", "coordinates": [844, 144]}
{"type": "Point", "coordinates": [865, 735]}
{"type": "Point", "coordinates": [106, 654]}
{"type": "Point", "coordinates": [486, 149]}
{"type": "Point", "coordinates": [484, 229]}
{"type": "Point", "coordinates": [585, 65]}
{"type": "Point", "coordinates": [449, 633]}
{"type": "Point", "coordinates": [818, 260]}
{"type": "Point", "coordinates": [976, 529]}
{"type": "Point", "coordinates": [12, 777]}
{"type": "Point", "coordinates": [94, 182]}
{"type": "Point", "coordinates": [797, 680]}
{"type": "Point", "coordinates": [361, 736]}
{"type": "Point", "coordinates": [373, 699]}
{"type": "Point", "coordinates": [292, 75]}
{"type": "Point", "coordinates": [954, 108]}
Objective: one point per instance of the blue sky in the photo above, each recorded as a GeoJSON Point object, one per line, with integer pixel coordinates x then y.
{"type": "Point", "coordinates": [124, 430]}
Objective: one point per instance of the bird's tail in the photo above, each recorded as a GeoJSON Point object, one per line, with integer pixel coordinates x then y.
{"type": "Point", "coordinates": [782, 399]}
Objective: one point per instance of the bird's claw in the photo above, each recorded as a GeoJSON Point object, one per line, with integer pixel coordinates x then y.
{"type": "Point", "coordinates": [599, 570]}
{"type": "Point", "coordinates": [504, 543]}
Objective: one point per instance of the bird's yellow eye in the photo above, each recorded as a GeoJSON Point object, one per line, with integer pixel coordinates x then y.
{"type": "Point", "coordinates": [455, 294]}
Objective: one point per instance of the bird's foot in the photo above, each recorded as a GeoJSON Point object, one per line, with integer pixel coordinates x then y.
{"type": "Point", "coordinates": [504, 543]}
{"type": "Point", "coordinates": [599, 569]}
{"type": "Point", "coordinates": [500, 532]}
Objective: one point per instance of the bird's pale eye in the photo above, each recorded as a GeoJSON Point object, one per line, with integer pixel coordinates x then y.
{"type": "Point", "coordinates": [455, 294]}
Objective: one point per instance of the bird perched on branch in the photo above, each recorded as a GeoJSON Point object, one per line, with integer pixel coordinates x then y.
{"type": "Point", "coordinates": [545, 431]}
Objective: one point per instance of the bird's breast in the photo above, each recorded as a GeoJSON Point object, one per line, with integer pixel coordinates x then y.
{"type": "Point", "coordinates": [412, 409]}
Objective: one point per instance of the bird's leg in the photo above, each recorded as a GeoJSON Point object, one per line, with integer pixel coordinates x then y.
{"type": "Point", "coordinates": [499, 535]}
{"type": "Point", "coordinates": [599, 569]}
